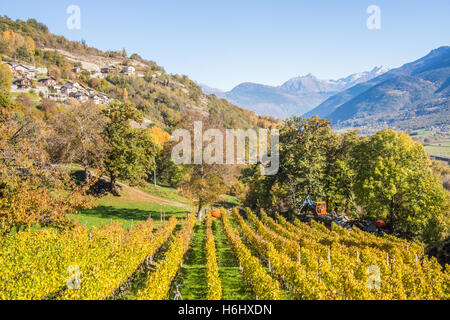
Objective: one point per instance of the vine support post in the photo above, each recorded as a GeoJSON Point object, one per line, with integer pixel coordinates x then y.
{"type": "Point", "coordinates": [329, 256]}
{"type": "Point", "coordinates": [300, 255]}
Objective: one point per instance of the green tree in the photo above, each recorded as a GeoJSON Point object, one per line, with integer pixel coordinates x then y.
{"type": "Point", "coordinates": [131, 153]}
{"type": "Point", "coordinates": [394, 181]}
{"type": "Point", "coordinates": [169, 172]}
{"type": "Point", "coordinates": [303, 146]}
{"type": "Point", "coordinates": [339, 173]}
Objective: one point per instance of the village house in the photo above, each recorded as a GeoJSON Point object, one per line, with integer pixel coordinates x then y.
{"type": "Point", "coordinates": [21, 69]}
{"type": "Point", "coordinates": [57, 96]}
{"type": "Point", "coordinates": [77, 70]}
{"type": "Point", "coordinates": [26, 70]}
{"type": "Point", "coordinates": [129, 71]}
{"type": "Point", "coordinates": [80, 96]}
{"type": "Point", "coordinates": [48, 82]}
{"type": "Point", "coordinates": [41, 70]}
{"type": "Point", "coordinates": [56, 89]}
{"type": "Point", "coordinates": [108, 69]}
{"type": "Point", "coordinates": [70, 87]}
{"type": "Point", "coordinates": [22, 83]}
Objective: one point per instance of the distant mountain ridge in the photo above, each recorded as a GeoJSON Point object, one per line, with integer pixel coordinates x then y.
{"type": "Point", "coordinates": [294, 97]}
{"type": "Point", "coordinates": [414, 95]}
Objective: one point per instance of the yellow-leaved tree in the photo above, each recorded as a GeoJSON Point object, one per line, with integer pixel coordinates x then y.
{"type": "Point", "coordinates": [33, 191]}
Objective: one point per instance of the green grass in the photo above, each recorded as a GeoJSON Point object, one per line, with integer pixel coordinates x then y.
{"type": "Point", "coordinates": [166, 193]}
{"type": "Point", "coordinates": [32, 96]}
{"type": "Point", "coordinates": [422, 133]}
{"type": "Point", "coordinates": [192, 276]}
{"type": "Point", "coordinates": [125, 208]}
{"type": "Point", "coordinates": [439, 150]}
{"type": "Point", "coordinates": [234, 286]}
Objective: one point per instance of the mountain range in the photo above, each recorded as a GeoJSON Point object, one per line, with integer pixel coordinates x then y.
{"type": "Point", "coordinates": [414, 95]}
{"type": "Point", "coordinates": [295, 97]}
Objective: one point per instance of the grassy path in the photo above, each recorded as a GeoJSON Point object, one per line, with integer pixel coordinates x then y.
{"type": "Point", "coordinates": [233, 284]}
{"type": "Point", "coordinates": [192, 276]}
{"type": "Point", "coordinates": [133, 204]}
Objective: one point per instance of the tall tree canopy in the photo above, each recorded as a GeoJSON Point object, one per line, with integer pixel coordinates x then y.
{"type": "Point", "coordinates": [385, 176]}
{"type": "Point", "coordinates": [131, 152]}
{"type": "Point", "coordinates": [394, 181]}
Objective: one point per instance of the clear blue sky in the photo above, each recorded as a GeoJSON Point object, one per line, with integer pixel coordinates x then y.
{"type": "Point", "coordinates": [225, 42]}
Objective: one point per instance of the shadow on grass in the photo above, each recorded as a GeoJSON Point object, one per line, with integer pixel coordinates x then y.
{"type": "Point", "coordinates": [225, 205]}
{"type": "Point", "coordinates": [108, 212]}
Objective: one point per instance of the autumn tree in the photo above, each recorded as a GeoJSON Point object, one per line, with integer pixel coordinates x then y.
{"type": "Point", "coordinates": [161, 137]}
{"type": "Point", "coordinates": [206, 182]}
{"type": "Point", "coordinates": [32, 190]}
{"type": "Point", "coordinates": [204, 186]}
{"type": "Point", "coordinates": [5, 77]}
{"type": "Point", "coordinates": [77, 136]}
{"type": "Point", "coordinates": [19, 46]}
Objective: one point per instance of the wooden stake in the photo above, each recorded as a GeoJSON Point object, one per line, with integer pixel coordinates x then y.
{"type": "Point", "coordinates": [318, 271]}
{"type": "Point", "coordinates": [329, 256]}
{"type": "Point", "coordinates": [300, 255]}
{"type": "Point", "coordinates": [270, 267]}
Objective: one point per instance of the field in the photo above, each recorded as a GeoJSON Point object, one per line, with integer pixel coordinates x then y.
{"type": "Point", "coordinates": [436, 142]}
{"type": "Point", "coordinates": [137, 205]}
{"type": "Point", "coordinates": [439, 149]}
{"type": "Point", "coordinates": [259, 257]}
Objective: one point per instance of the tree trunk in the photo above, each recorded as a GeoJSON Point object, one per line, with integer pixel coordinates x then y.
{"type": "Point", "coordinates": [154, 177]}
{"type": "Point", "coordinates": [391, 219]}
{"type": "Point", "coordinates": [113, 185]}
{"type": "Point", "coordinates": [87, 175]}
{"type": "Point", "coordinates": [200, 211]}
